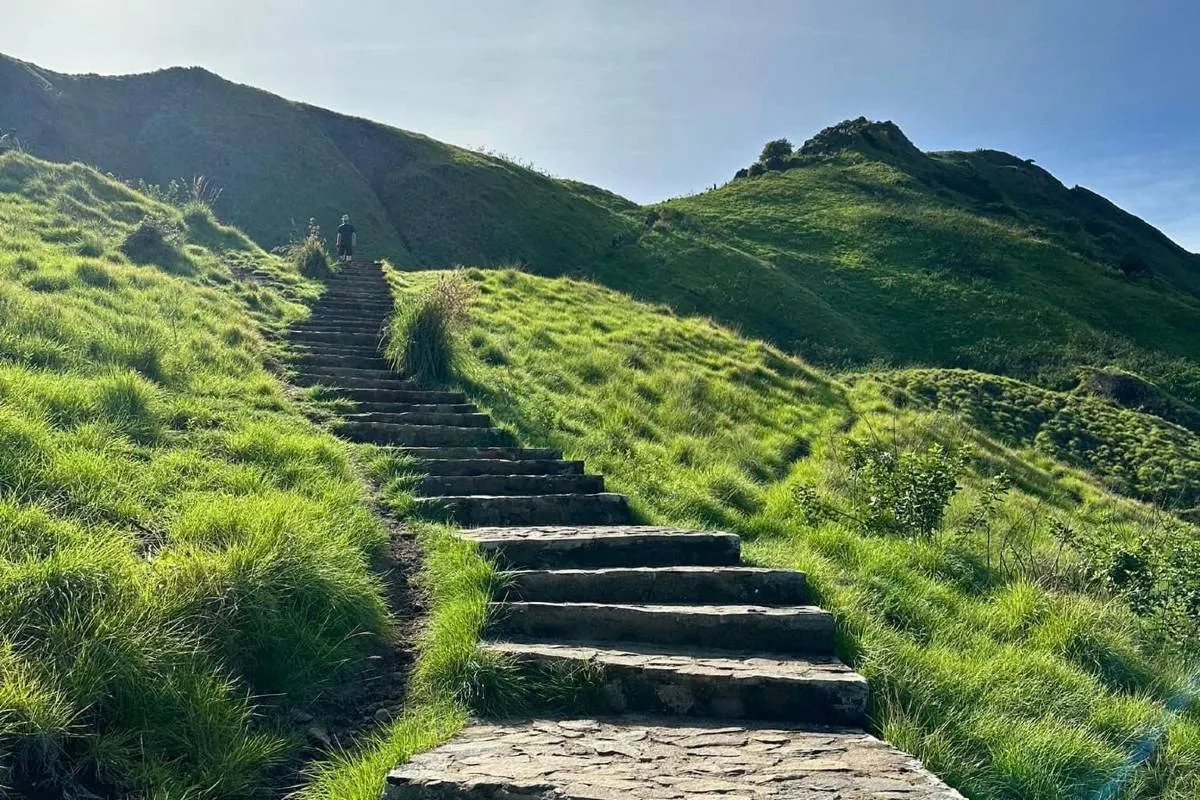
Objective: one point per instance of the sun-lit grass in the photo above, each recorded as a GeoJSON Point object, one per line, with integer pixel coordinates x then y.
{"type": "Point", "coordinates": [992, 655]}
{"type": "Point", "coordinates": [181, 551]}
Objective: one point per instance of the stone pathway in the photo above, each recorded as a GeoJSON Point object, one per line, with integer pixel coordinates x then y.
{"type": "Point", "coordinates": [680, 629]}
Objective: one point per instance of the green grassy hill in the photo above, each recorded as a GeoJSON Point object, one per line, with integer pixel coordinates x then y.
{"type": "Point", "coordinates": [998, 648]}
{"type": "Point", "coordinates": [857, 249]}
{"type": "Point", "coordinates": [184, 557]}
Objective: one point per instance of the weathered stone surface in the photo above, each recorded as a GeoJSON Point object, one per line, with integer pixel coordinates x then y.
{"type": "Point", "coordinates": [496, 466]}
{"type": "Point", "coordinates": [710, 683]}
{"type": "Point", "coordinates": [452, 420]}
{"type": "Point", "coordinates": [506, 453]}
{"type": "Point", "coordinates": [550, 509]}
{"type": "Point", "coordinates": [678, 584]}
{"type": "Point", "coordinates": [788, 629]}
{"type": "Point", "coordinates": [656, 759]}
{"type": "Point", "coordinates": [513, 484]}
{"type": "Point", "coordinates": [554, 547]}
{"type": "Point", "coordinates": [399, 392]}
{"type": "Point", "coordinates": [422, 435]}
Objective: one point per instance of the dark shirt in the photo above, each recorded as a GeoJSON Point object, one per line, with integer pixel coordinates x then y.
{"type": "Point", "coordinates": [345, 233]}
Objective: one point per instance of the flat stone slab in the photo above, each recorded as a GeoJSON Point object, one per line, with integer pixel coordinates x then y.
{"type": "Point", "coordinates": [680, 584]}
{"type": "Point", "coordinates": [782, 629]}
{"type": "Point", "coordinates": [597, 546]}
{"type": "Point", "coordinates": [661, 679]}
{"type": "Point", "coordinates": [657, 759]}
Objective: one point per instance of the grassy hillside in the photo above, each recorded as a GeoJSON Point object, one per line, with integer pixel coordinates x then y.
{"type": "Point", "coordinates": [997, 650]}
{"type": "Point", "coordinates": [414, 200]}
{"type": "Point", "coordinates": [183, 556]}
{"type": "Point", "coordinates": [858, 248]}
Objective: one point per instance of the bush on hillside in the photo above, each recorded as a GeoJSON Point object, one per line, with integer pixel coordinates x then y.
{"type": "Point", "coordinates": [155, 240]}
{"type": "Point", "coordinates": [775, 153]}
{"type": "Point", "coordinates": [895, 491]}
{"type": "Point", "coordinates": [423, 336]}
{"type": "Point", "coordinates": [309, 254]}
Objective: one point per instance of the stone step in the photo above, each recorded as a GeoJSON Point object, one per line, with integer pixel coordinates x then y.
{"type": "Point", "coordinates": [661, 758]}
{"type": "Point", "coordinates": [420, 435]}
{"type": "Point", "coordinates": [542, 509]}
{"type": "Point", "coordinates": [708, 683]}
{"type": "Point", "coordinates": [775, 629]}
{"type": "Point", "coordinates": [349, 309]}
{"type": "Point", "coordinates": [323, 325]}
{"type": "Point", "coordinates": [325, 378]}
{"type": "Point", "coordinates": [318, 362]}
{"type": "Point", "coordinates": [484, 453]}
{"type": "Point", "coordinates": [600, 546]}
{"type": "Point", "coordinates": [491, 466]}
{"type": "Point", "coordinates": [686, 584]}
{"type": "Point", "coordinates": [442, 485]}
{"type": "Point", "coordinates": [475, 420]}
{"type": "Point", "coordinates": [336, 337]}
{"type": "Point", "coordinates": [374, 298]}
{"type": "Point", "coordinates": [396, 391]}
{"type": "Point", "coordinates": [426, 408]}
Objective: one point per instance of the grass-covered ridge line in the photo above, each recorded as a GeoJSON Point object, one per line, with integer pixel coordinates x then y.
{"type": "Point", "coordinates": [181, 551]}
{"type": "Point", "coordinates": [862, 250]}
{"type": "Point", "coordinates": [993, 655]}
{"type": "Point", "coordinates": [1136, 452]}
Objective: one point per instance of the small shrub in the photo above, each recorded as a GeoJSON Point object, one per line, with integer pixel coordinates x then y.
{"type": "Point", "coordinates": [309, 254]}
{"type": "Point", "coordinates": [423, 335]}
{"type": "Point", "coordinates": [775, 153]}
{"type": "Point", "coordinates": [156, 240]}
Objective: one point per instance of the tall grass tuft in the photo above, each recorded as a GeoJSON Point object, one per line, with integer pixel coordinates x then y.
{"type": "Point", "coordinates": [424, 336]}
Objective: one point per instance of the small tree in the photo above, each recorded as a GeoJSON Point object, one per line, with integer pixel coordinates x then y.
{"type": "Point", "coordinates": [775, 152]}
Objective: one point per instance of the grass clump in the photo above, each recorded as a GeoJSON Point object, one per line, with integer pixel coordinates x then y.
{"type": "Point", "coordinates": [995, 652]}
{"type": "Point", "coordinates": [424, 337]}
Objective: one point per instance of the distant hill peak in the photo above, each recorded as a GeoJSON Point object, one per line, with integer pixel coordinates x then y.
{"type": "Point", "coordinates": [863, 135]}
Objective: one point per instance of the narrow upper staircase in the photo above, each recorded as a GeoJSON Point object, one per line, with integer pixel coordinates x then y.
{"type": "Point", "coordinates": [681, 630]}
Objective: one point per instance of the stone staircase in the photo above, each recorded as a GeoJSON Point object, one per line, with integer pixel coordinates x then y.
{"type": "Point", "coordinates": [699, 654]}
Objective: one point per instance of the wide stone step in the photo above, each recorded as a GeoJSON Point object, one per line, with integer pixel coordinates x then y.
{"type": "Point", "coordinates": [661, 758]}
{"type": "Point", "coordinates": [394, 392]}
{"type": "Point", "coordinates": [340, 361]}
{"type": "Point", "coordinates": [427, 408]}
{"type": "Point", "coordinates": [349, 309]}
{"type": "Point", "coordinates": [475, 420]}
{"type": "Point", "coordinates": [687, 584]}
{"type": "Point", "coordinates": [594, 547]}
{"type": "Point", "coordinates": [322, 325]}
{"type": "Point", "coordinates": [485, 466]}
{"type": "Point", "coordinates": [336, 337]}
{"type": "Point", "coordinates": [708, 683]}
{"type": "Point", "coordinates": [483, 453]}
{"type": "Point", "coordinates": [377, 303]}
{"type": "Point", "coordinates": [420, 435]}
{"type": "Point", "coordinates": [546, 509]}
{"type": "Point", "coordinates": [514, 484]}
{"type": "Point", "coordinates": [786, 629]}
{"type": "Point", "coordinates": [327, 378]}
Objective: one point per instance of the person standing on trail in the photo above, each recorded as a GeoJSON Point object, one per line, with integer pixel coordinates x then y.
{"type": "Point", "coordinates": [347, 238]}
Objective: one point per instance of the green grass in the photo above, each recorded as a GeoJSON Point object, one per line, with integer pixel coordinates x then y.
{"type": "Point", "coordinates": [183, 556]}
{"type": "Point", "coordinates": [991, 654]}
{"type": "Point", "coordinates": [870, 252]}
{"type": "Point", "coordinates": [1136, 453]}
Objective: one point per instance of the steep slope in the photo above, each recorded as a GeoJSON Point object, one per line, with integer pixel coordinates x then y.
{"type": "Point", "coordinates": [992, 656]}
{"type": "Point", "coordinates": [858, 248]}
{"type": "Point", "coordinates": [413, 199]}
{"type": "Point", "coordinates": [183, 555]}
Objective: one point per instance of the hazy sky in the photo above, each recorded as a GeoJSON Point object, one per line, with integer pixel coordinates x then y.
{"type": "Point", "coordinates": [655, 98]}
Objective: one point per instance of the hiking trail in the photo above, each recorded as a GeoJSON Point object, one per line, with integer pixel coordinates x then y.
{"type": "Point", "coordinates": [720, 680]}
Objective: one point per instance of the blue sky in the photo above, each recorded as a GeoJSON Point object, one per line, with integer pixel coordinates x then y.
{"type": "Point", "coordinates": [655, 98]}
